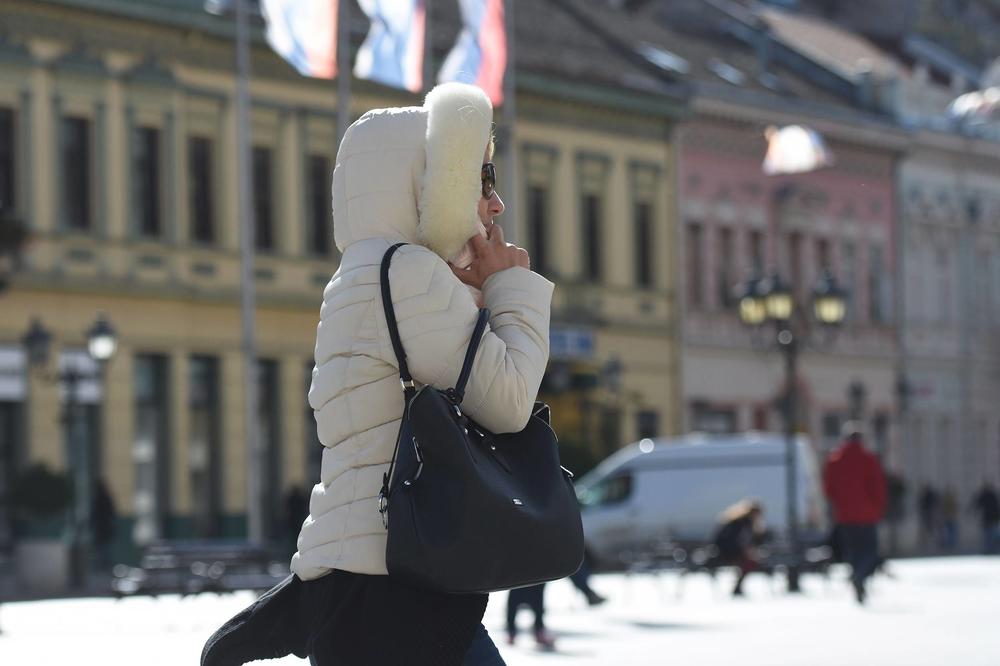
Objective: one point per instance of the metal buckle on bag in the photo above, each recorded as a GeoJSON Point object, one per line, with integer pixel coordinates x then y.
{"type": "Point", "coordinates": [382, 506]}
{"type": "Point", "coordinates": [407, 383]}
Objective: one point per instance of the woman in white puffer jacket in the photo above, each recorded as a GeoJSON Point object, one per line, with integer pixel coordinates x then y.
{"type": "Point", "coordinates": [419, 175]}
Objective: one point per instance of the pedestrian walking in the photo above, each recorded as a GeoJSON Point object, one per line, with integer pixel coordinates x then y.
{"type": "Point", "coordinates": [103, 515]}
{"type": "Point", "coordinates": [855, 485]}
{"type": "Point", "coordinates": [581, 581]}
{"type": "Point", "coordinates": [533, 597]}
{"type": "Point", "coordinates": [987, 505]}
{"type": "Point", "coordinates": [423, 176]}
{"type": "Point", "coordinates": [741, 527]}
{"type": "Point", "coordinates": [949, 520]}
{"type": "Point", "coordinates": [928, 509]}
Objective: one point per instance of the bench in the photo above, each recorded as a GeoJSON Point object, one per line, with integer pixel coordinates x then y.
{"type": "Point", "coordinates": [194, 566]}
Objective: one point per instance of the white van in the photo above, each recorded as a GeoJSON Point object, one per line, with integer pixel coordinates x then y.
{"type": "Point", "coordinates": [674, 490]}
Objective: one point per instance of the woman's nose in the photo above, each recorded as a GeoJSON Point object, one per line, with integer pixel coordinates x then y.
{"type": "Point", "coordinates": [496, 204]}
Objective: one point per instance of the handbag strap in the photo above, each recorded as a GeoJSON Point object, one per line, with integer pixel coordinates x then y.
{"type": "Point", "coordinates": [405, 379]}
{"type": "Point", "coordinates": [390, 319]}
{"type": "Point", "coordinates": [457, 393]}
{"type": "Point", "coordinates": [470, 354]}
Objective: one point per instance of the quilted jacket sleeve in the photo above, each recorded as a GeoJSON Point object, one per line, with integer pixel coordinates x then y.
{"type": "Point", "coordinates": [436, 315]}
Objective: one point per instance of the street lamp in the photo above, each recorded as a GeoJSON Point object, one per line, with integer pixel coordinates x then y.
{"type": "Point", "coordinates": [771, 300]}
{"type": "Point", "coordinates": [102, 342]}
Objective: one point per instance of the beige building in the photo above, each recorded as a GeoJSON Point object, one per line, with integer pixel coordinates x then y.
{"type": "Point", "coordinates": [118, 131]}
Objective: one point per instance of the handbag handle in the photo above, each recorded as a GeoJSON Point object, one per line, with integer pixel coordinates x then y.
{"type": "Point", "coordinates": [457, 394]}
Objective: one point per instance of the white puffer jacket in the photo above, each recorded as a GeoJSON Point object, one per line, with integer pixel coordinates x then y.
{"type": "Point", "coordinates": [379, 185]}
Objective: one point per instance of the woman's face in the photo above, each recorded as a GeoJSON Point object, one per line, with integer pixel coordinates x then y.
{"type": "Point", "coordinates": [491, 206]}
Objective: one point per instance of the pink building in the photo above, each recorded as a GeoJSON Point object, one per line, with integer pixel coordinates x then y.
{"type": "Point", "coordinates": [736, 222]}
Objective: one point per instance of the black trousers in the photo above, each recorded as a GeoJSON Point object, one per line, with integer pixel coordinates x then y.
{"type": "Point", "coordinates": [534, 598]}
{"type": "Point", "coordinates": [860, 548]}
{"type": "Point", "coordinates": [376, 620]}
{"type": "Point", "coordinates": [349, 619]}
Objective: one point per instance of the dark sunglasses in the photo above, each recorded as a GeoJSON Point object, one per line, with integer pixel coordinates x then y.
{"type": "Point", "coordinates": [489, 177]}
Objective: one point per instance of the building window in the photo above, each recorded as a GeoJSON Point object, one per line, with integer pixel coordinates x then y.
{"type": "Point", "coordinates": [725, 267]}
{"type": "Point", "coordinates": [945, 294]}
{"type": "Point", "coordinates": [76, 173]}
{"type": "Point", "coordinates": [695, 266]}
{"type": "Point", "coordinates": [146, 180]}
{"type": "Point", "coordinates": [712, 419]}
{"type": "Point", "coordinates": [610, 429]}
{"type": "Point", "coordinates": [7, 163]}
{"type": "Point", "coordinates": [320, 224]}
{"type": "Point", "coordinates": [12, 449]}
{"type": "Point", "coordinates": [850, 271]}
{"type": "Point", "coordinates": [644, 244]}
{"type": "Point", "coordinates": [314, 448]}
{"type": "Point", "coordinates": [538, 202]}
{"type": "Point", "coordinates": [832, 423]}
{"type": "Point", "coordinates": [795, 262]}
{"type": "Point", "coordinates": [880, 435]}
{"type": "Point", "coordinates": [263, 200]}
{"type": "Point", "coordinates": [648, 424]}
{"type": "Point", "coordinates": [760, 418]}
{"type": "Point", "coordinates": [204, 446]}
{"type": "Point", "coordinates": [592, 237]}
{"type": "Point", "coordinates": [269, 429]}
{"type": "Point", "coordinates": [200, 189]}
{"type": "Point", "coordinates": [151, 447]}
{"type": "Point", "coordinates": [984, 273]}
{"type": "Point", "coordinates": [756, 242]}
{"type": "Point", "coordinates": [877, 311]}
{"type": "Point", "coordinates": [823, 254]}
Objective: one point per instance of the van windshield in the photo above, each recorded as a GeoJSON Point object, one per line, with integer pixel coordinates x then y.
{"type": "Point", "coordinates": [612, 490]}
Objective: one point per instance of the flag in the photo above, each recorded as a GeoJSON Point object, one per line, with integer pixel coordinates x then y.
{"type": "Point", "coordinates": [393, 51]}
{"type": "Point", "coordinates": [304, 32]}
{"type": "Point", "coordinates": [480, 54]}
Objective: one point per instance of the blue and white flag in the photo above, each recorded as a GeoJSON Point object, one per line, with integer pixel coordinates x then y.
{"type": "Point", "coordinates": [479, 56]}
{"type": "Point", "coordinates": [393, 51]}
{"type": "Point", "coordinates": [304, 32]}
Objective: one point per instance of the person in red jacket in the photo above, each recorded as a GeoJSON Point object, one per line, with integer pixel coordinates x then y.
{"type": "Point", "coordinates": [855, 485]}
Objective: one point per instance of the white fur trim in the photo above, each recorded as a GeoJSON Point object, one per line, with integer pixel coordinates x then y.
{"type": "Point", "coordinates": [459, 117]}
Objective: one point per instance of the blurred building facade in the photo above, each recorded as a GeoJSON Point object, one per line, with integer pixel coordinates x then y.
{"type": "Point", "coordinates": [638, 144]}
{"type": "Point", "coordinates": [118, 122]}
{"type": "Point", "coordinates": [946, 242]}
{"type": "Point", "coordinates": [735, 222]}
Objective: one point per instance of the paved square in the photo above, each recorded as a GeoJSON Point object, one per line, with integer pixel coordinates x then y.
{"type": "Point", "coordinates": [932, 612]}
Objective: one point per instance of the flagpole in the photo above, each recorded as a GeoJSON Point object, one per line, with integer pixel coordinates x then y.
{"type": "Point", "coordinates": [428, 47]}
{"type": "Point", "coordinates": [245, 213]}
{"type": "Point", "coordinates": [511, 184]}
{"type": "Point", "coordinates": [344, 72]}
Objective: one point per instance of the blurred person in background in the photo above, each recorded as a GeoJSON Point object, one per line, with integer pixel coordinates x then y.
{"type": "Point", "coordinates": [987, 505]}
{"type": "Point", "coordinates": [534, 598]}
{"type": "Point", "coordinates": [949, 520]}
{"type": "Point", "coordinates": [103, 515]}
{"type": "Point", "coordinates": [741, 529]}
{"type": "Point", "coordinates": [581, 580]}
{"type": "Point", "coordinates": [928, 511]}
{"type": "Point", "coordinates": [855, 485]}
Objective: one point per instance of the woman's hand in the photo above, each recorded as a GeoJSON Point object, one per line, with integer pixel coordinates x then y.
{"type": "Point", "coordinates": [492, 255]}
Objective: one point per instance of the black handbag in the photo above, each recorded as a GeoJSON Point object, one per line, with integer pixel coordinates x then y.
{"type": "Point", "coordinates": [468, 510]}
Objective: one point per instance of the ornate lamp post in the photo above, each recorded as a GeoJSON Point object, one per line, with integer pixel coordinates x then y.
{"type": "Point", "coordinates": [102, 342]}
{"type": "Point", "coordinates": [762, 301]}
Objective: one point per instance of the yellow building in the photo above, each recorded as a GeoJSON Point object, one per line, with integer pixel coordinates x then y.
{"type": "Point", "coordinates": [118, 131]}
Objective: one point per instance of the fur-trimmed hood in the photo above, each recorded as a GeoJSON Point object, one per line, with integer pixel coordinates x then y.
{"type": "Point", "coordinates": [413, 173]}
